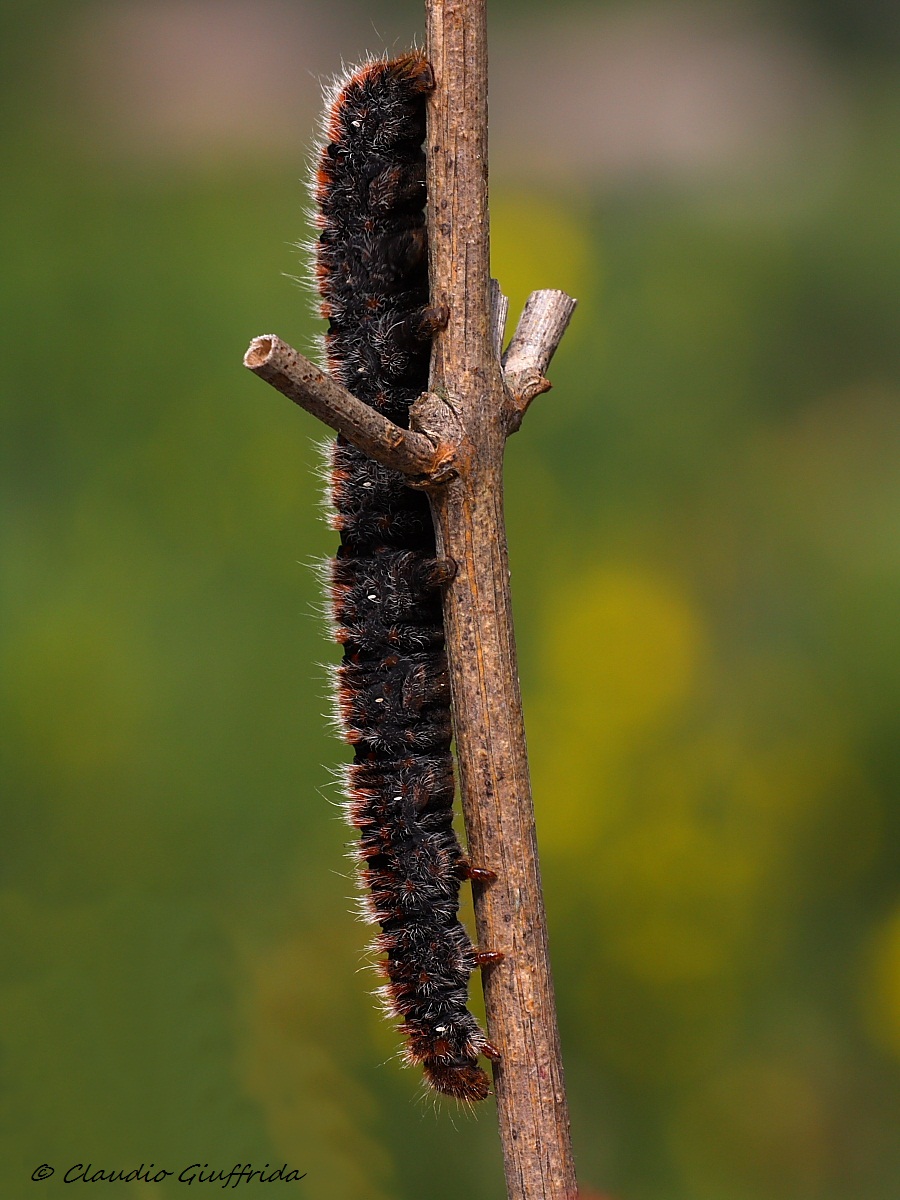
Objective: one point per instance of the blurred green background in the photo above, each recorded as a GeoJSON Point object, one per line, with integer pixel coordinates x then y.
{"type": "Point", "coordinates": [703, 519]}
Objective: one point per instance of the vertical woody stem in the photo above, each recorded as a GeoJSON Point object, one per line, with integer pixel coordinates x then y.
{"type": "Point", "coordinates": [487, 707]}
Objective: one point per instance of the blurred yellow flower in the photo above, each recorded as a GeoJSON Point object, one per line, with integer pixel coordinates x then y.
{"type": "Point", "coordinates": [620, 655]}
{"type": "Point", "coordinates": [881, 984]}
{"type": "Point", "coordinates": [542, 242]}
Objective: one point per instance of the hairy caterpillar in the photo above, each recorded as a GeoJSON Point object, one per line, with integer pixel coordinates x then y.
{"type": "Point", "coordinates": [392, 687]}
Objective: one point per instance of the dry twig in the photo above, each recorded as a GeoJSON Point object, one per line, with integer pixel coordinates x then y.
{"type": "Point", "coordinates": [454, 448]}
{"type": "Point", "coordinates": [468, 512]}
{"type": "Point", "coordinates": [301, 381]}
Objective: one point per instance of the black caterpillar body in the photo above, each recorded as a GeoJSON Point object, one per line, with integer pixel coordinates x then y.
{"type": "Point", "coordinates": [393, 688]}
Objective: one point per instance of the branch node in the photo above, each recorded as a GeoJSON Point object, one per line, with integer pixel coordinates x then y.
{"type": "Point", "coordinates": [431, 416]}
{"type": "Point", "coordinates": [522, 388]}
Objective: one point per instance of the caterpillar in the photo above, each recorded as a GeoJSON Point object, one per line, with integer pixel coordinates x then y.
{"type": "Point", "coordinates": [393, 691]}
